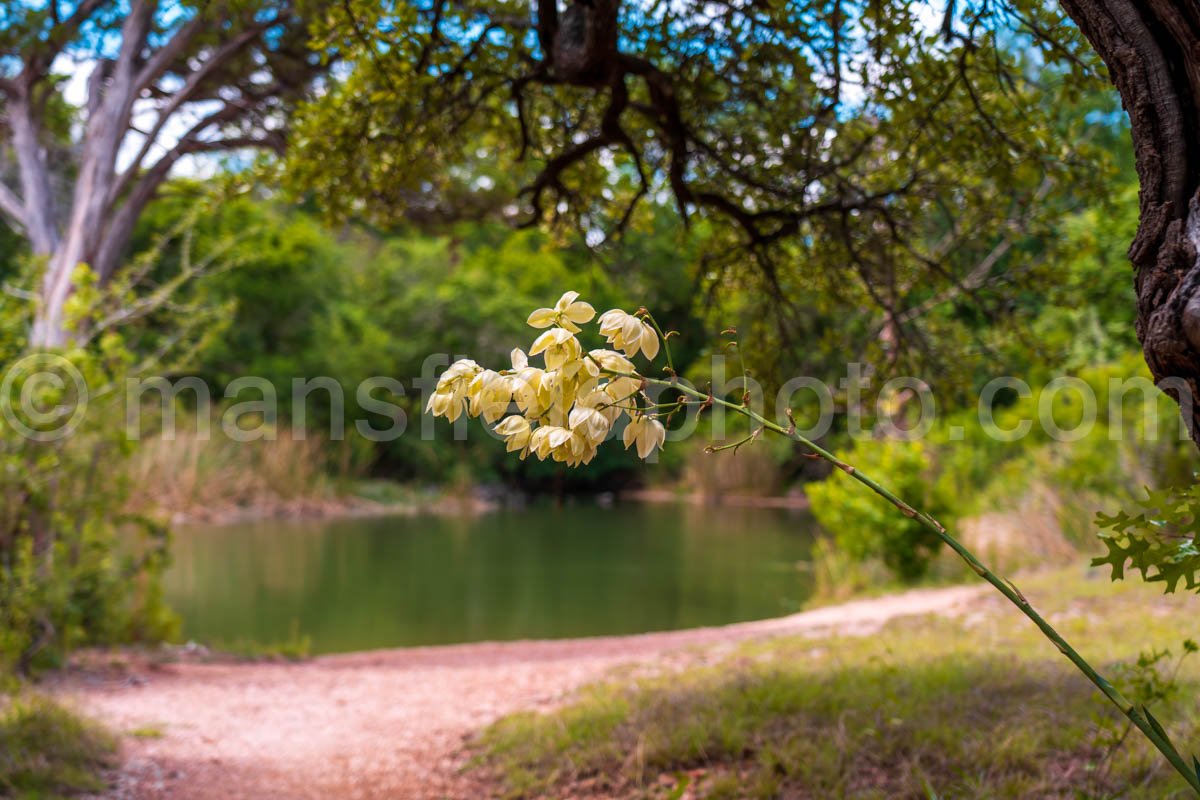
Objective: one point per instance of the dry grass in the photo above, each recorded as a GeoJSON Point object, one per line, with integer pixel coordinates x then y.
{"type": "Point", "coordinates": [1030, 533]}
{"type": "Point", "coordinates": [214, 477]}
{"type": "Point", "coordinates": [750, 471]}
{"type": "Point", "coordinates": [977, 707]}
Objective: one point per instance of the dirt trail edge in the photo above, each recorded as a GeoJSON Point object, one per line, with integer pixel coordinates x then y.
{"type": "Point", "coordinates": [387, 723]}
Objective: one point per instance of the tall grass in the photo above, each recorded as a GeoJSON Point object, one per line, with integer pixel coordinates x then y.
{"type": "Point", "coordinates": [753, 471]}
{"type": "Point", "coordinates": [208, 477]}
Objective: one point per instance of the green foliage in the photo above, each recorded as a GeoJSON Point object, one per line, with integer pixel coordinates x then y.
{"type": "Point", "coordinates": [66, 575]}
{"type": "Point", "coordinates": [866, 526]}
{"type": "Point", "coordinates": [962, 468]}
{"type": "Point", "coordinates": [307, 301]}
{"type": "Point", "coordinates": [1150, 680]}
{"type": "Point", "coordinates": [46, 751]}
{"type": "Point", "coordinates": [1086, 314]}
{"type": "Point", "coordinates": [286, 265]}
{"type": "Point", "coordinates": [75, 567]}
{"type": "Point", "coordinates": [1083, 327]}
{"type": "Point", "coordinates": [1159, 540]}
{"type": "Point", "coordinates": [957, 149]}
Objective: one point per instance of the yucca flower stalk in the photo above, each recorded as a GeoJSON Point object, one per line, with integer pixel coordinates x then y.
{"type": "Point", "coordinates": [569, 408]}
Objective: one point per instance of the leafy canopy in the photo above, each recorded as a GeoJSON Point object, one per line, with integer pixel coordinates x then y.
{"type": "Point", "coordinates": [877, 154]}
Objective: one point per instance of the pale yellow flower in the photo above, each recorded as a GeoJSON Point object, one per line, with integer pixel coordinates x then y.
{"type": "Point", "coordinates": [626, 332]}
{"type": "Point", "coordinates": [567, 312]}
{"type": "Point", "coordinates": [603, 402]}
{"type": "Point", "coordinates": [621, 391]}
{"type": "Point", "coordinates": [559, 345]}
{"type": "Point", "coordinates": [452, 388]}
{"type": "Point", "coordinates": [646, 433]}
{"type": "Point", "coordinates": [489, 393]}
{"type": "Point", "coordinates": [612, 361]}
{"type": "Point", "coordinates": [567, 409]}
{"type": "Point", "coordinates": [527, 386]}
{"type": "Point", "coordinates": [445, 405]}
{"type": "Point", "coordinates": [580, 450]}
{"type": "Point", "coordinates": [516, 432]}
{"type": "Point", "coordinates": [590, 422]}
{"type": "Point", "coordinates": [549, 439]}
{"type": "Point", "coordinates": [529, 392]}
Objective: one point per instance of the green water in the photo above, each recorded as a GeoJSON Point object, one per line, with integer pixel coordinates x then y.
{"type": "Point", "coordinates": [582, 570]}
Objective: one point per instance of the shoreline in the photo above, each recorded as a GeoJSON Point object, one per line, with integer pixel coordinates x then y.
{"type": "Point", "coordinates": [393, 722]}
{"type": "Point", "coordinates": [353, 506]}
{"type": "Point", "coordinates": [790, 502]}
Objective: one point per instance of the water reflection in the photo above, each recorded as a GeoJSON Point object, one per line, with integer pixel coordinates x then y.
{"type": "Point", "coordinates": [535, 573]}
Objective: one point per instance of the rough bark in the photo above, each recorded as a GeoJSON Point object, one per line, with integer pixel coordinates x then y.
{"type": "Point", "coordinates": [1152, 49]}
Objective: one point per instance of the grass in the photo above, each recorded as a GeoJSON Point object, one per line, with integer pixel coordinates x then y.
{"type": "Point", "coordinates": [47, 751]}
{"type": "Point", "coordinates": [297, 647]}
{"type": "Point", "coordinates": [972, 707]}
{"type": "Point", "coordinates": [206, 477]}
{"type": "Point", "coordinates": [147, 732]}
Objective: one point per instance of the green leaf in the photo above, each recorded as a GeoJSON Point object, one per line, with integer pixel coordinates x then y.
{"type": "Point", "coordinates": [1154, 723]}
{"type": "Point", "coordinates": [684, 781]}
{"type": "Point", "coordinates": [1160, 542]}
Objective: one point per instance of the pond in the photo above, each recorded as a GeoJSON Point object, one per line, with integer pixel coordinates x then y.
{"type": "Point", "coordinates": [577, 570]}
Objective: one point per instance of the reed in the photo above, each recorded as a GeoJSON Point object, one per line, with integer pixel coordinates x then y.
{"type": "Point", "coordinates": [209, 477]}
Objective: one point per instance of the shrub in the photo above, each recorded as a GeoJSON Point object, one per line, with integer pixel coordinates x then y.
{"type": "Point", "coordinates": [1130, 445]}
{"type": "Point", "coordinates": [74, 569]}
{"type": "Point", "coordinates": [866, 526]}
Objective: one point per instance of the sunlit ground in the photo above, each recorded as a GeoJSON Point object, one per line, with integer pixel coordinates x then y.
{"type": "Point", "coordinates": [979, 705]}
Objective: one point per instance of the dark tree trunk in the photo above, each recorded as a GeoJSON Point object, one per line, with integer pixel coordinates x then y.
{"type": "Point", "coordinates": [1152, 49]}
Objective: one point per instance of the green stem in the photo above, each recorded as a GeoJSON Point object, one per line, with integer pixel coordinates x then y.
{"type": "Point", "coordinates": [1135, 715]}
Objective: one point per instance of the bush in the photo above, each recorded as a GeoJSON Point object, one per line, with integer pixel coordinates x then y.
{"type": "Point", "coordinates": [74, 569]}
{"type": "Point", "coordinates": [865, 525]}
{"type": "Point", "coordinates": [1131, 444]}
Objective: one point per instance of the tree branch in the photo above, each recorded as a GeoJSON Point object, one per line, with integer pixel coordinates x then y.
{"type": "Point", "coordinates": [38, 61]}
{"type": "Point", "coordinates": [120, 228]}
{"type": "Point", "coordinates": [39, 215]}
{"type": "Point", "coordinates": [12, 207]}
{"type": "Point", "coordinates": [180, 97]}
{"type": "Point", "coordinates": [158, 63]}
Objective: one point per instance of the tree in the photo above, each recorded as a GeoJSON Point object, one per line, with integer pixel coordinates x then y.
{"type": "Point", "coordinates": [1152, 49]}
{"type": "Point", "coordinates": [862, 151]}
{"type": "Point", "coordinates": [894, 149]}
{"type": "Point", "coordinates": [166, 81]}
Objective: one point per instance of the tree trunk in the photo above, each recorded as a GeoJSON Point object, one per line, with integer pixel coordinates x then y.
{"type": "Point", "coordinates": [1152, 49]}
{"type": "Point", "coordinates": [49, 330]}
{"type": "Point", "coordinates": [111, 95]}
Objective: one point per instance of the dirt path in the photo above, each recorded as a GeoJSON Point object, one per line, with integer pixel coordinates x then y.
{"type": "Point", "coordinates": [390, 723]}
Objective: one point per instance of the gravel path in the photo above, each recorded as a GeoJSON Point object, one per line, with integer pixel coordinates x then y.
{"type": "Point", "coordinates": [389, 723]}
